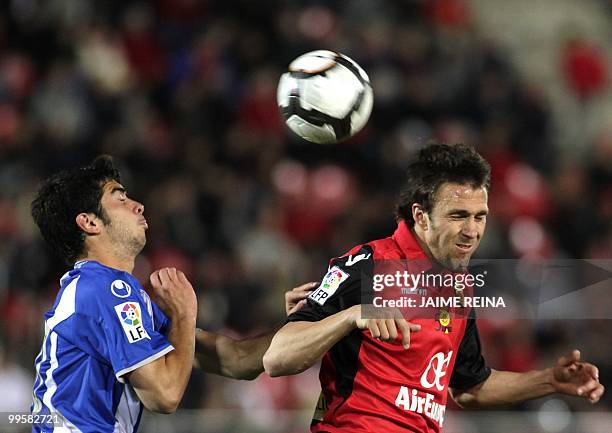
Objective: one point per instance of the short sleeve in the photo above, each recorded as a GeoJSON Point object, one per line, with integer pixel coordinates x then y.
{"type": "Point", "coordinates": [470, 366]}
{"type": "Point", "coordinates": [122, 323]}
{"type": "Point", "coordinates": [340, 288]}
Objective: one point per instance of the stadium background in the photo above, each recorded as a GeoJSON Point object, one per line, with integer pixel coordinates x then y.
{"type": "Point", "coordinates": [182, 94]}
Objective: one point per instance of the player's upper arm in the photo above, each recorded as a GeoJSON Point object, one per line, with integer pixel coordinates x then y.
{"type": "Point", "coordinates": [151, 389]}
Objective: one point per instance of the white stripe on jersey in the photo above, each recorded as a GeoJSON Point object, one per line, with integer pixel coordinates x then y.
{"type": "Point", "coordinates": [49, 381]}
{"type": "Point", "coordinates": [127, 410]}
{"type": "Point", "coordinates": [66, 306]}
{"type": "Point", "coordinates": [143, 362]}
{"type": "Point", "coordinates": [41, 358]}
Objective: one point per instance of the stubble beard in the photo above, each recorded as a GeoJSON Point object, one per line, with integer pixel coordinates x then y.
{"type": "Point", "coordinates": [125, 241]}
{"type": "Point", "coordinates": [458, 264]}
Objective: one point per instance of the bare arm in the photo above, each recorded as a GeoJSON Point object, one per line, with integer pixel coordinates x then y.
{"type": "Point", "coordinates": [242, 359]}
{"type": "Point", "coordinates": [568, 376]}
{"type": "Point", "coordinates": [160, 384]}
{"type": "Point", "coordinates": [298, 345]}
{"type": "Point", "coordinates": [505, 388]}
{"type": "Point", "coordinates": [238, 359]}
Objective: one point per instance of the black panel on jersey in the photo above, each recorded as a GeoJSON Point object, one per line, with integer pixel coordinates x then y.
{"type": "Point", "coordinates": [345, 353]}
{"type": "Point", "coordinates": [470, 366]}
{"type": "Point", "coordinates": [348, 294]}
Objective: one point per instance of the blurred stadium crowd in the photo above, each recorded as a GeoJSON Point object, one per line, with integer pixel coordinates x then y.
{"type": "Point", "coordinates": [182, 94]}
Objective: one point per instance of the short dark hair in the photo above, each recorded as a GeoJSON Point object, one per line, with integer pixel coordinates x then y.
{"type": "Point", "coordinates": [434, 165]}
{"type": "Point", "coordinates": [66, 194]}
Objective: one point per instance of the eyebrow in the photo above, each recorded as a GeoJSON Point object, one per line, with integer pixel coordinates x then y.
{"type": "Point", "coordinates": [464, 212]}
{"type": "Point", "coordinates": [118, 189]}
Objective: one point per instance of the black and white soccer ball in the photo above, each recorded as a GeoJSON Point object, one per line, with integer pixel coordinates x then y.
{"type": "Point", "coordinates": [325, 97]}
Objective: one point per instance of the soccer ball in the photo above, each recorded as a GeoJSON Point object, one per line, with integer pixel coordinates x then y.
{"type": "Point", "coordinates": [325, 97]}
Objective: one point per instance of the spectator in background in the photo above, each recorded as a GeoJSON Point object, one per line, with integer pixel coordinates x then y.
{"type": "Point", "coordinates": [72, 86]}
{"type": "Point", "coordinates": [15, 383]}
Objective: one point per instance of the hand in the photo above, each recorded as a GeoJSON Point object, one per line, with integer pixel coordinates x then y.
{"type": "Point", "coordinates": [386, 326]}
{"type": "Point", "coordinates": [296, 298]}
{"type": "Point", "coordinates": [173, 294]}
{"type": "Point", "coordinates": [572, 377]}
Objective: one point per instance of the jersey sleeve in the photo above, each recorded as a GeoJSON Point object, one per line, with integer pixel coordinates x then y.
{"type": "Point", "coordinates": [340, 288]}
{"type": "Point", "coordinates": [126, 333]}
{"type": "Point", "coordinates": [161, 323]}
{"type": "Point", "coordinates": [470, 366]}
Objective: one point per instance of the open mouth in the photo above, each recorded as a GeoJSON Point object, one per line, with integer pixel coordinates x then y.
{"type": "Point", "coordinates": [464, 247]}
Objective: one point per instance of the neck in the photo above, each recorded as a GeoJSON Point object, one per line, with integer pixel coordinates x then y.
{"type": "Point", "coordinates": [114, 260]}
{"type": "Point", "coordinates": [420, 238]}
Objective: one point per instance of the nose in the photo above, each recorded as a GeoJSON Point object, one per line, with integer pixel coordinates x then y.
{"type": "Point", "coordinates": [139, 207]}
{"type": "Point", "coordinates": [470, 229]}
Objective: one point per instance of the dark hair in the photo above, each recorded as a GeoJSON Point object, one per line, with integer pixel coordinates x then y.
{"type": "Point", "coordinates": [434, 165]}
{"type": "Point", "coordinates": [63, 196]}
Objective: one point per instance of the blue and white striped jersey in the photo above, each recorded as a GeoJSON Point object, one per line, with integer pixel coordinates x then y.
{"type": "Point", "coordinates": [102, 326]}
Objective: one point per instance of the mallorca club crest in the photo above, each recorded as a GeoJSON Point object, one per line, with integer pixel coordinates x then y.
{"type": "Point", "coordinates": [443, 321]}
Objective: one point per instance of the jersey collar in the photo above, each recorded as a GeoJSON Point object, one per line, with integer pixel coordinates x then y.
{"type": "Point", "coordinates": [410, 247]}
{"type": "Point", "coordinates": [406, 240]}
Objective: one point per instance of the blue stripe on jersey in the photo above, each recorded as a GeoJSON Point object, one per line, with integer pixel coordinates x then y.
{"type": "Point", "coordinates": [102, 326]}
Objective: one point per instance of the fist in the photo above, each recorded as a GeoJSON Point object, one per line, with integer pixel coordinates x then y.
{"type": "Point", "coordinates": [173, 294]}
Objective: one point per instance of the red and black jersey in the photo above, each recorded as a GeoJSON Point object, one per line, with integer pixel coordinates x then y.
{"type": "Point", "coordinates": [374, 386]}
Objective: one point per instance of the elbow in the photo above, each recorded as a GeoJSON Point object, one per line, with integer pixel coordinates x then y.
{"type": "Point", "coordinates": [277, 365]}
{"type": "Point", "coordinates": [465, 402]}
{"type": "Point", "coordinates": [245, 374]}
{"type": "Point", "coordinates": [165, 406]}
{"type": "Point", "coordinates": [249, 375]}
{"type": "Point", "coordinates": [166, 402]}
{"type": "Point", "coordinates": [466, 399]}
{"type": "Point", "coordinates": [272, 364]}
{"type": "Point", "coordinates": [166, 410]}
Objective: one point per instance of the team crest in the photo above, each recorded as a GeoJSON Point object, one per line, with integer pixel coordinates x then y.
{"type": "Point", "coordinates": [130, 317]}
{"type": "Point", "coordinates": [332, 280]}
{"type": "Point", "coordinates": [443, 321]}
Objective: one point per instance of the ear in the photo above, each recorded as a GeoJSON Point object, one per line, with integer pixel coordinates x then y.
{"type": "Point", "coordinates": [89, 223]}
{"type": "Point", "coordinates": [420, 216]}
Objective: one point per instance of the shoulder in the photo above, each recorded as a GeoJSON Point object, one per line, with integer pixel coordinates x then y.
{"type": "Point", "coordinates": [102, 286]}
{"type": "Point", "coordinates": [356, 258]}
{"type": "Point", "coordinates": [366, 254]}
{"type": "Point", "coordinates": [386, 249]}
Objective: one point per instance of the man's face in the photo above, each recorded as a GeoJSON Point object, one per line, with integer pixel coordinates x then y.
{"type": "Point", "coordinates": [127, 223]}
{"type": "Point", "coordinates": [456, 224]}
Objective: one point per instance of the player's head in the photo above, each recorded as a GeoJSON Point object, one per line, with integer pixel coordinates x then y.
{"type": "Point", "coordinates": [445, 201]}
{"type": "Point", "coordinates": [79, 206]}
